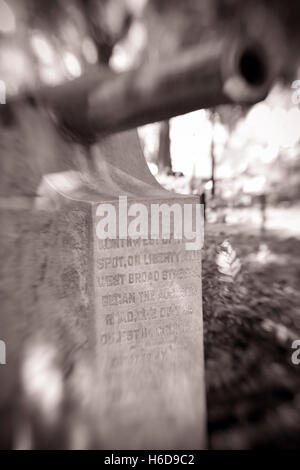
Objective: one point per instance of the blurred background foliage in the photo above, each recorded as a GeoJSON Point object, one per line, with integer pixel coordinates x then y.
{"type": "Point", "coordinates": [244, 160]}
{"type": "Point", "coordinates": [48, 43]}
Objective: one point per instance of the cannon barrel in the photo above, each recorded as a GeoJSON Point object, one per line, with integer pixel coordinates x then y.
{"type": "Point", "coordinates": [215, 73]}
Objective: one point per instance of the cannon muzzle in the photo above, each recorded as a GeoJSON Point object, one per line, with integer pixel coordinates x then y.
{"type": "Point", "coordinates": [201, 77]}
{"type": "Point", "coordinates": [221, 72]}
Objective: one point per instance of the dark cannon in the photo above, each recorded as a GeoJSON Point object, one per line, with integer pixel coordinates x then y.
{"type": "Point", "coordinates": [220, 72]}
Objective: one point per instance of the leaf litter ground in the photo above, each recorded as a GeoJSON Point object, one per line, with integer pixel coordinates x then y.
{"type": "Point", "coordinates": [251, 303]}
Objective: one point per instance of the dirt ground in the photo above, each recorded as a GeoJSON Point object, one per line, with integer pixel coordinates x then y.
{"type": "Point", "coordinates": [251, 319]}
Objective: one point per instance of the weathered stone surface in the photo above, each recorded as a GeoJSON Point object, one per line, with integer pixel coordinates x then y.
{"type": "Point", "coordinates": [104, 339]}
{"type": "Point", "coordinates": [149, 344]}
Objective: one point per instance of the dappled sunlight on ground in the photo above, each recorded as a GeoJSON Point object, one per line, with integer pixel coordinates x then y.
{"type": "Point", "coordinates": [283, 220]}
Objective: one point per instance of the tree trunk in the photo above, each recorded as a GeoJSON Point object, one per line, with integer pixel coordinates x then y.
{"type": "Point", "coordinates": [212, 156]}
{"type": "Point", "coordinates": [164, 153]}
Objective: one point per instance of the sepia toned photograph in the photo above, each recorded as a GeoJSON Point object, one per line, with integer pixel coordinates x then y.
{"type": "Point", "coordinates": [149, 227]}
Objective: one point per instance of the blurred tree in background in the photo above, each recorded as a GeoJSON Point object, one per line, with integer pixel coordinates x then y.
{"type": "Point", "coordinates": [48, 43]}
{"type": "Point", "coordinates": [76, 24]}
{"type": "Point", "coordinates": [255, 314]}
{"type": "Point", "coordinates": [173, 26]}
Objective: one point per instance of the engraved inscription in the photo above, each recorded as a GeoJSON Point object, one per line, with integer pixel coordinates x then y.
{"type": "Point", "coordinates": [138, 318]}
{"type": "Point", "coordinates": [149, 336]}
